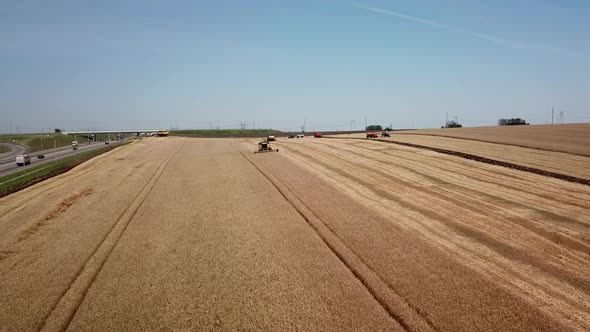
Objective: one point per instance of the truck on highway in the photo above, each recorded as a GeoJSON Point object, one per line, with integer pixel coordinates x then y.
{"type": "Point", "coordinates": [75, 145]}
{"type": "Point", "coordinates": [23, 160]}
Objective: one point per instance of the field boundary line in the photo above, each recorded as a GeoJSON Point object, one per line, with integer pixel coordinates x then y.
{"type": "Point", "coordinates": [395, 305]}
{"type": "Point", "coordinates": [492, 142]}
{"type": "Point", "coordinates": [538, 171]}
{"type": "Point", "coordinates": [67, 306]}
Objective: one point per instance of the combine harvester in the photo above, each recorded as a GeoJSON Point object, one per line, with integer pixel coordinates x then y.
{"type": "Point", "coordinates": [264, 146]}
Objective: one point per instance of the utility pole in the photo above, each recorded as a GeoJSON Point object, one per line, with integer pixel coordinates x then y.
{"type": "Point", "coordinates": [41, 135]}
{"type": "Point", "coordinates": [561, 117]}
{"type": "Point", "coordinates": [551, 115]}
{"type": "Point", "coordinates": [366, 125]}
{"type": "Point", "coordinates": [446, 119]}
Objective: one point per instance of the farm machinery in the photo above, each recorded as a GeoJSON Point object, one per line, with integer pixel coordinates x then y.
{"type": "Point", "coordinates": [265, 146]}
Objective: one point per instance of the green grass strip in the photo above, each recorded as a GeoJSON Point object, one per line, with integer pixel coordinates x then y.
{"type": "Point", "coordinates": [224, 132]}
{"type": "Point", "coordinates": [20, 180]}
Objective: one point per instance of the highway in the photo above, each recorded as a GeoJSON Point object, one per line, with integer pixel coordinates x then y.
{"type": "Point", "coordinates": [10, 156]}
{"type": "Point", "coordinates": [8, 163]}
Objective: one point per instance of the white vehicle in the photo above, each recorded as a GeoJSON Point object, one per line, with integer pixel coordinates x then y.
{"type": "Point", "coordinates": [75, 145]}
{"type": "Point", "coordinates": [23, 160]}
{"type": "Point", "coordinates": [300, 135]}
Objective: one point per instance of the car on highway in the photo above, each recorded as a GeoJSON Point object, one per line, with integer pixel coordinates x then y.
{"type": "Point", "coordinates": [40, 156]}
{"type": "Point", "coordinates": [23, 160]}
{"type": "Point", "coordinates": [107, 142]}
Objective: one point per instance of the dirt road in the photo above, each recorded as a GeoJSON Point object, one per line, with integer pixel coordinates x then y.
{"type": "Point", "coordinates": [201, 234]}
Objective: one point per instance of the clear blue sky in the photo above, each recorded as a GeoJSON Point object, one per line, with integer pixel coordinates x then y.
{"type": "Point", "coordinates": [156, 64]}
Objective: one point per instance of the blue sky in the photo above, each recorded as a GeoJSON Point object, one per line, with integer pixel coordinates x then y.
{"type": "Point", "coordinates": [196, 64]}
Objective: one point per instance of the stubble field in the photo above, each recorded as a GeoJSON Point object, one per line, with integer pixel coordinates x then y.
{"type": "Point", "coordinates": [572, 138]}
{"type": "Point", "coordinates": [327, 234]}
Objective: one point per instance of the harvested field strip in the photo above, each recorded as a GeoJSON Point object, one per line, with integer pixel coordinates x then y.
{"type": "Point", "coordinates": [378, 241]}
{"type": "Point", "coordinates": [414, 163]}
{"type": "Point", "coordinates": [568, 138]}
{"type": "Point", "coordinates": [515, 177]}
{"type": "Point", "coordinates": [487, 204]}
{"type": "Point", "coordinates": [438, 202]}
{"type": "Point", "coordinates": [559, 162]}
{"type": "Point", "coordinates": [539, 236]}
{"type": "Point", "coordinates": [399, 309]}
{"type": "Point", "coordinates": [564, 177]}
{"type": "Point", "coordinates": [574, 151]}
{"type": "Point", "coordinates": [523, 198]}
{"type": "Point", "coordinates": [498, 178]}
{"type": "Point", "coordinates": [520, 281]}
{"type": "Point", "coordinates": [462, 186]}
{"type": "Point", "coordinates": [65, 309]}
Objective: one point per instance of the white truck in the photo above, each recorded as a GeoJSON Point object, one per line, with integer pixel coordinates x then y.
{"type": "Point", "coordinates": [75, 145]}
{"type": "Point", "coordinates": [23, 160]}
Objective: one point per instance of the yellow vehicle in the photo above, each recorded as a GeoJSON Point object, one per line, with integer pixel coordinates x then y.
{"type": "Point", "coordinates": [163, 133]}
{"type": "Point", "coordinates": [264, 146]}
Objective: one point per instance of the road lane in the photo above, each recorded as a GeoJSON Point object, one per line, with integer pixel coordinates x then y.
{"type": "Point", "coordinates": [10, 167]}
{"type": "Point", "coordinates": [16, 149]}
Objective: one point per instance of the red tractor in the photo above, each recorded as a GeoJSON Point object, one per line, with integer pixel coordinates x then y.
{"type": "Point", "coordinates": [372, 135]}
{"type": "Point", "coordinates": [317, 135]}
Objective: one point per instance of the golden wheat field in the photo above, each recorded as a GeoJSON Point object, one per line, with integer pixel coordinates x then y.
{"type": "Point", "coordinates": [325, 235]}
{"type": "Point", "coordinates": [572, 138]}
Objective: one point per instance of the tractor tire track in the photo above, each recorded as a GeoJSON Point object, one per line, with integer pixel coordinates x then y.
{"type": "Point", "coordinates": [373, 176]}
{"type": "Point", "coordinates": [396, 306]}
{"type": "Point", "coordinates": [477, 235]}
{"type": "Point", "coordinates": [66, 307]}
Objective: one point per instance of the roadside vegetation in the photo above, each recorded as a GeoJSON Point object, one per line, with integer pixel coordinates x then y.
{"type": "Point", "coordinates": [39, 142]}
{"type": "Point", "coordinates": [32, 175]}
{"type": "Point", "coordinates": [4, 149]}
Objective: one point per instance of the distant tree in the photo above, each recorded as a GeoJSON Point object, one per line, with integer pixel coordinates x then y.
{"type": "Point", "coordinates": [388, 129]}
{"type": "Point", "coordinates": [453, 124]}
{"type": "Point", "coordinates": [512, 122]}
{"type": "Point", "coordinates": [57, 130]}
{"type": "Point", "coordinates": [374, 128]}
